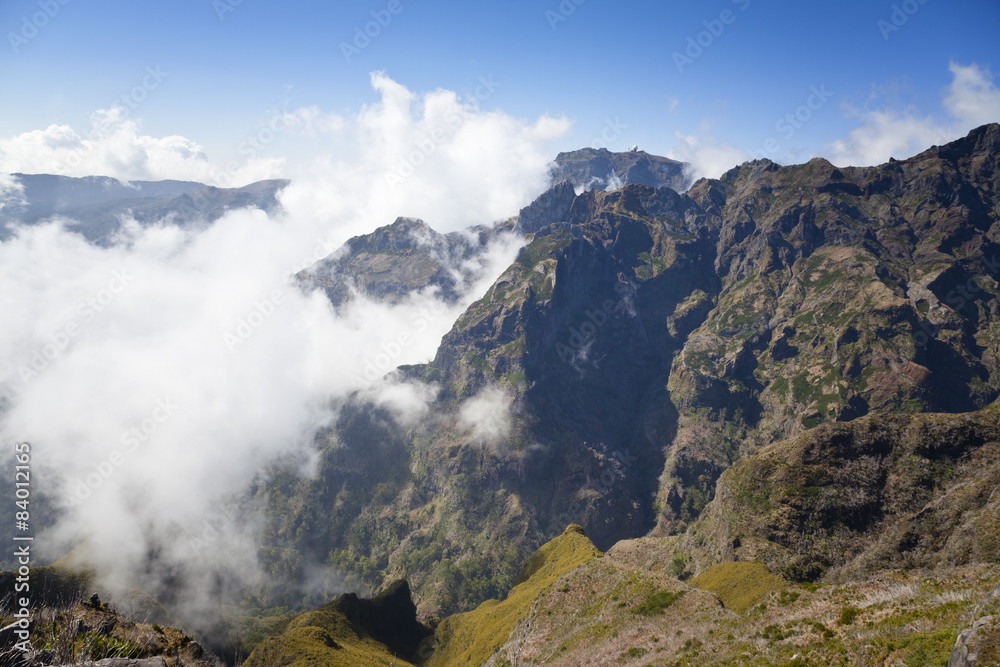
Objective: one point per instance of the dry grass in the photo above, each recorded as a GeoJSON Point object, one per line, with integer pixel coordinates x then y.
{"type": "Point", "coordinates": [587, 618]}
{"type": "Point", "coordinates": [888, 595]}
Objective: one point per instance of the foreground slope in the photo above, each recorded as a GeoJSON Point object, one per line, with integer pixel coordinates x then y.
{"type": "Point", "coordinates": [572, 605]}
{"type": "Point", "coordinates": [894, 515]}
{"type": "Point", "coordinates": [349, 632]}
{"type": "Point", "coordinates": [472, 637]}
{"type": "Point", "coordinates": [843, 500]}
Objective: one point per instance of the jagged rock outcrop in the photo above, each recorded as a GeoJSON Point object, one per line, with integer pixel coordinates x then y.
{"type": "Point", "coordinates": [599, 168]}
{"type": "Point", "coordinates": [551, 207]}
{"type": "Point", "coordinates": [644, 341]}
{"type": "Point", "coordinates": [979, 644]}
{"type": "Point", "coordinates": [399, 259]}
{"type": "Point", "coordinates": [350, 631]}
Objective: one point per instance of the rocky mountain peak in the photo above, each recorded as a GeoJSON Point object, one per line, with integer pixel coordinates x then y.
{"type": "Point", "coordinates": [600, 168]}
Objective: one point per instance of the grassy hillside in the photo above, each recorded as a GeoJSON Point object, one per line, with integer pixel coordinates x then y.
{"type": "Point", "coordinates": [470, 638]}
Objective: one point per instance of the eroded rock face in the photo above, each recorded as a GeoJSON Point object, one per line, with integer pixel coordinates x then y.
{"type": "Point", "coordinates": [644, 341]}
{"type": "Point", "coordinates": [845, 500]}
{"type": "Point", "coordinates": [599, 168]}
{"type": "Point", "coordinates": [399, 259]}
{"type": "Point", "coordinates": [978, 645]}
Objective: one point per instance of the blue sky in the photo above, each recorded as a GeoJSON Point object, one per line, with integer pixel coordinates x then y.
{"type": "Point", "coordinates": [228, 67]}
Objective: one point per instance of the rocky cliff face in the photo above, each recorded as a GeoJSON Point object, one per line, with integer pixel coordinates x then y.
{"type": "Point", "coordinates": [843, 501]}
{"type": "Point", "coordinates": [399, 259]}
{"type": "Point", "coordinates": [599, 168]}
{"type": "Point", "coordinates": [644, 341]}
{"type": "Point", "coordinates": [843, 292]}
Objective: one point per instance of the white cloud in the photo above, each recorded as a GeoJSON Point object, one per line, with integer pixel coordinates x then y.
{"type": "Point", "coordinates": [312, 122]}
{"type": "Point", "coordinates": [408, 401]}
{"type": "Point", "coordinates": [436, 157]}
{"type": "Point", "coordinates": [11, 190]}
{"type": "Point", "coordinates": [486, 416]}
{"type": "Point", "coordinates": [155, 377]}
{"type": "Point", "coordinates": [98, 340]}
{"type": "Point", "coordinates": [970, 100]}
{"type": "Point", "coordinates": [706, 156]}
{"type": "Point", "coordinates": [115, 146]}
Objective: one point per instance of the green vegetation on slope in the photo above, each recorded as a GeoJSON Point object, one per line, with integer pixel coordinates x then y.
{"type": "Point", "coordinates": [739, 586]}
{"type": "Point", "coordinates": [349, 631]}
{"type": "Point", "coordinates": [472, 637]}
{"type": "Point", "coordinates": [322, 638]}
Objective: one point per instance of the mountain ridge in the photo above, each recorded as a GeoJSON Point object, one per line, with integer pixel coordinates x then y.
{"type": "Point", "coordinates": [96, 203]}
{"type": "Point", "coordinates": [644, 341]}
{"type": "Point", "coordinates": [795, 368]}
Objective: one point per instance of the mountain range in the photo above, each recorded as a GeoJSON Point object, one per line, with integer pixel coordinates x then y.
{"type": "Point", "coordinates": [96, 205]}
{"type": "Point", "coordinates": [750, 421]}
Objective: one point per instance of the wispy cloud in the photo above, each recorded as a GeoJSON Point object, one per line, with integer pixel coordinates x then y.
{"type": "Point", "coordinates": [706, 156]}
{"type": "Point", "coordinates": [486, 417]}
{"type": "Point", "coordinates": [970, 100]}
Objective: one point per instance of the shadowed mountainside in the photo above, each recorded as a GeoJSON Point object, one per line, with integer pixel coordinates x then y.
{"type": "Point", "coordinates": [643, 342]}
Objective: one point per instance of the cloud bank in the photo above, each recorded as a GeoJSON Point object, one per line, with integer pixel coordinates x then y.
{"type": "Point", "coordinates": [155, 377]}
{"type": "Point", "coordinates": [436, 156]}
